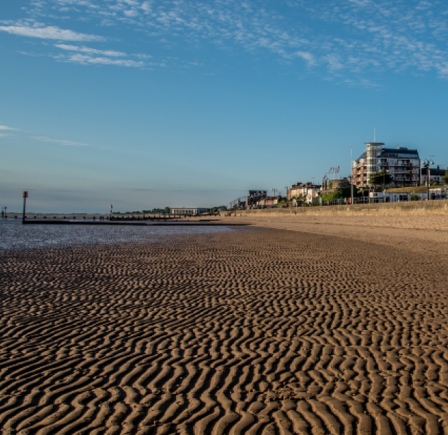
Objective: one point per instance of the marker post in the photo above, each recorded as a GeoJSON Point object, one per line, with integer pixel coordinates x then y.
{"type": "Point", "coordinates": [24, 196]}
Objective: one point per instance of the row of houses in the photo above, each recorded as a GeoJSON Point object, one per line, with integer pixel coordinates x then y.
{"type": "Point", "coordinates": [297, 194]}
{"type": "Point", "coordinates": [402, 165]}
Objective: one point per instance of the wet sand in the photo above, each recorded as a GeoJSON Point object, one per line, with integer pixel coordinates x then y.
{"type": "Point", "coordinates": [261, 331]}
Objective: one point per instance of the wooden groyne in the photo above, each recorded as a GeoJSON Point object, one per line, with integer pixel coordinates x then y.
{"type": "Point", "coordinates": [144, 223]}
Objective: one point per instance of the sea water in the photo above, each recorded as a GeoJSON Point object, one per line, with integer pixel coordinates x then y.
{"type": "Point", "coordinates": [15, 235]}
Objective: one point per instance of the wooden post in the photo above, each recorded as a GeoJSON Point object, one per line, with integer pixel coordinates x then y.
{"type": "Point", "coordinates": [24, 196]}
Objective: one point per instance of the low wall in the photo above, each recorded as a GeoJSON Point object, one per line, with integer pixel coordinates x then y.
{"type": "Point", "coordinates": [436, 207]}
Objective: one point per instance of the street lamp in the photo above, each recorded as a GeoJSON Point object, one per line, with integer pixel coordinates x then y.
{"type": "Point", "coordinates": [426, 164]}
{"type": "Point", "coordinates": [384, 177]}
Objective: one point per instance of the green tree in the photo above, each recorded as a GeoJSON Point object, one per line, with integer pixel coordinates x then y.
{"type": "Point", "coordinates": [380, 178]}
{"type": "Point", "coordinates": [341, 193]}
{"type": "Point", "coordinates": [445, 178]}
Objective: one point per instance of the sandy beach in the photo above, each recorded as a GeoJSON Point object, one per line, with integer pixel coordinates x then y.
{"type": "Point", "coordinates": [311, 327]}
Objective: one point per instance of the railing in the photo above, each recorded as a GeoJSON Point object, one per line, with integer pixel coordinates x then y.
{"type": "Point", "coordinates": [377, 200]}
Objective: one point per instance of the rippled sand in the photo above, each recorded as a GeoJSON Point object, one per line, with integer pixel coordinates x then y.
{"type": "Point", "coordinates": [257, 331]}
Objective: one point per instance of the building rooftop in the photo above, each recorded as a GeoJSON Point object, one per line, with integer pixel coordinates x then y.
{"type": "Point", "coordinates": [434, 171]}
{"type": "Point", "coordinates": [393, 152]}
{"type": "Point", "coordinates": [399, 150]}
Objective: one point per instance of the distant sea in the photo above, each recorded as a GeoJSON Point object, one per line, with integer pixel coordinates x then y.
{"type": "Point", "coordinates": [14, 235]}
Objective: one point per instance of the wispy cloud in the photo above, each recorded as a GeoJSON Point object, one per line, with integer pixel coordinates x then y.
{"type": "Point", "coordinates": [4, 127]}
{"type": "Point", "coordinates": [86, 60]}
{"type": "Point", "coordinates": [308, 57]}
{"type": "Point", "coordinates": [87, 55]}
{"type": "Point", "coordinates": [59, 142]}
{"type": "Point", "coordinates": [50, 32]}
{"type": "Point", "coordinates": [111, 53]}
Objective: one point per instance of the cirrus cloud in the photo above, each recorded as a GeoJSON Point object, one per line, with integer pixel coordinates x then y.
{"type": "Point", "coordinates": [86, 60]}
{"type": "Point", "coordinates": [341, 39]}
{"type": "Point", "coordinates": [60, 142]}
{"type": "Point", "coordinates": [89, 50]}
{"type": "Point", "coordinates": [50, 32]}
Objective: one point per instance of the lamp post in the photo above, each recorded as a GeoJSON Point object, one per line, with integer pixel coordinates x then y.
{"type": "Point", "coordinates": [24, 196]}
{"type": "Point", "coordinates": [351, 176]}
{"type": "Point", "coordinates": [110, 213]}
{"type": "Point", "coordinates": [426, 164]}
{"type": "Point", "coordinates": [386, 171]}
{"type": "Point", "coordinates": [274, 190]}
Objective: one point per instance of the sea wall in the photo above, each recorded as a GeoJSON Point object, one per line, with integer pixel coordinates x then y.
{"type": "Point", "coordinates": [415, 208]}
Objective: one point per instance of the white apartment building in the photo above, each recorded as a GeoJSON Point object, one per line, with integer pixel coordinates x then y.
{"type": "Point", "coordinates": [402, 164]}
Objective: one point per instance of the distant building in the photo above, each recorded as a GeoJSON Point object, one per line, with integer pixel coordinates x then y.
{"type": "Point", "coordinates": [329, 186]}
{"type": "Point", "coordinates": [301, 190]}
{"type": "Point", "coordinates": [187, 211]}
{"type": "Point", "coordinates": [294, 191]}
{"type": "Point", "coordinates": [254, 197]}
{"type": "Point", "coordinates": [402, 164]}
{"type": "Point", "coordinates": [416, 193]}
{"type": "Point", "coordinates": [435, 174]}
{"type": "Point", "coordinates": [312, 195]}
{"type": "Point", "coordinates": [269, 201]}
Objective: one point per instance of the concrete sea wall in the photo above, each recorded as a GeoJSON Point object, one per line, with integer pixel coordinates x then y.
{"type": "Point", "coordinates": [413, 208]}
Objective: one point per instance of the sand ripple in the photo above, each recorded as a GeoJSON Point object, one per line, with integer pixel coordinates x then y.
{"type": "Point", "coordinates": [252, 332]}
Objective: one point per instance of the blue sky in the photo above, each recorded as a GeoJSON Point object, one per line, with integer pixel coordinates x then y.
{"type": "Point", "coordinates": [149, 103]}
